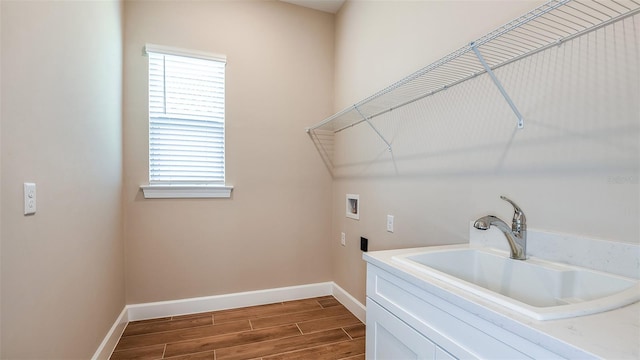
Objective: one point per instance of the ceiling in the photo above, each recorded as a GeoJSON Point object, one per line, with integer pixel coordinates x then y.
{"type": "Point", "coordinates": [330, 6]}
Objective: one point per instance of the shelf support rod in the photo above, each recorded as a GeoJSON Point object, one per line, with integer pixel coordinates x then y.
{"type": "Point", "coordinates": [498, 84]}
{"type": "Point", "coordinates": [373, 127]}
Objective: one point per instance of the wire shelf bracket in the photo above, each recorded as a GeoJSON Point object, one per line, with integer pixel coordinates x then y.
{"type": "Point", "coordinates": [373, 127]}
{"type": "Point", "coordinates": [498, 84]}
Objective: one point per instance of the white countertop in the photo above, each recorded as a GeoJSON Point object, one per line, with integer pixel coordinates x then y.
{"type": "Point", "coordinates": [612, 335]}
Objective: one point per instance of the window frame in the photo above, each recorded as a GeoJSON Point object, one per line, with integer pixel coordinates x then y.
{"type": "Point", "coordinates": [183, 189]}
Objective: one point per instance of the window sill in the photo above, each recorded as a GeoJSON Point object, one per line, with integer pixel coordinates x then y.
{"type": "Point", "coordinates": [185, 191]}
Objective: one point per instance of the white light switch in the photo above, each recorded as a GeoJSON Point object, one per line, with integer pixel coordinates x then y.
{"type": "Point", "coordinates": [390, 223]}
{"type": "Point", "coordinates": [343, 240]}
{"type": "Point", "coordinates": [29, 198]}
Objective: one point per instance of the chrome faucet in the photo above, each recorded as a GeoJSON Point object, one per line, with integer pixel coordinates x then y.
{"type": "Point", "coordinates": [516, 235]}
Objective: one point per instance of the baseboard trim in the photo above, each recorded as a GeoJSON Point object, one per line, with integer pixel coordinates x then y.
{"type": "Point", "coordinates": [111, 340]}
{"type": "Point", "coordinates": [221, 302]}
{"type": "Point", "coordinates": [351, 303]}
{"type": "Point", "coordinates": [226, 301]}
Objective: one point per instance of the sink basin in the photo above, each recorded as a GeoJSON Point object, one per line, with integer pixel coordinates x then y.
{"type": "Point", "coordinates": [534, 287]}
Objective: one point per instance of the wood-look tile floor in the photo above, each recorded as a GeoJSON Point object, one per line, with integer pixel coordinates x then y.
{"type": "Point", "coordinates": [318, 328]}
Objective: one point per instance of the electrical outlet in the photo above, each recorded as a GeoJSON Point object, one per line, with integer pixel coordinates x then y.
{"type": "Point", "coordinates": [390, 223]}
{"type": "Point", "coordinates": [343, 239]}
{"type": "Point", "coordinates": [29, 198]}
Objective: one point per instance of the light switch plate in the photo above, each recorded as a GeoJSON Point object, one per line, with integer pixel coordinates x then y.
{"type": "Point", "coordinates": [29, 198]}
{"type": "Point", "coordinates": [390, 223]}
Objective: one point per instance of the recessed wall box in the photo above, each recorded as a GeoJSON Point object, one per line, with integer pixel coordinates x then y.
{"type": "Point", "coordinates": [353, 206]}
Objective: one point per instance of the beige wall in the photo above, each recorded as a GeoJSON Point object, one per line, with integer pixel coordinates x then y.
{"type": "Point", "coordinates": [573, 169]}
{"type": "Point", "coordinates": [273, 231]}
{"type": "Point", "coordinates": [62, 269]}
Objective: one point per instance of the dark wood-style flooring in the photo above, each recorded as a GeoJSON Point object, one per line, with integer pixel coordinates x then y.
{"type": "Point", "coordinates": [318, 328]}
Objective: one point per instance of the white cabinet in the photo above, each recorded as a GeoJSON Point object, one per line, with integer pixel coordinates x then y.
{"type": "Point", "coordinates": [407, 322]}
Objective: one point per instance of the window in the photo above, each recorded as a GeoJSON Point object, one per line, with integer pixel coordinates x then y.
{"type": "Point", "coordinates": [186, 124]}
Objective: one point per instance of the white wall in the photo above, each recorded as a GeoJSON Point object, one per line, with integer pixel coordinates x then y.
{"type": "Point", "coordinates": [62, 268]}
{"type": "Point", "coordinates": [573, 169]}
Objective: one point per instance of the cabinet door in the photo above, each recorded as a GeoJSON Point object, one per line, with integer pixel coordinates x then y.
{"type": "Point", "coordinates": [443, 355]}
{"type": "Point", "coordinates": [390, 338]}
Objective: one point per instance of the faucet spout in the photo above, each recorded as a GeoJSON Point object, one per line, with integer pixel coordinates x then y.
{"type": "Point", "coordinates": [517, 245]}
{"type": "Point", "coordinates": [516, 234]}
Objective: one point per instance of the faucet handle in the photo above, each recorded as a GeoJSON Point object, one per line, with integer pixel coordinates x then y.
{"type": "Point", "coordinates": [519, 220]}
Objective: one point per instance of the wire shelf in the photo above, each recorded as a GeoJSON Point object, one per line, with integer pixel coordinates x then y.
{"type": "Point", "coordinates": [546, 26]}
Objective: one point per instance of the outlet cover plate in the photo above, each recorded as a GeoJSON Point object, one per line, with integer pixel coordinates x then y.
{"type": "Point", "coordinates": [390, 223]}
{"type": "Point", "coordinates": [29, 198]}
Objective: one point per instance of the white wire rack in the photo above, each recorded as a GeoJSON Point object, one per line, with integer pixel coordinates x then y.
{"type": "Point", "coordinates": [546, 26]}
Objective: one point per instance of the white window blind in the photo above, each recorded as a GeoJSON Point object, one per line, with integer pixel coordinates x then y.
{"type": "Point", "coordinates": [186, 119]}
